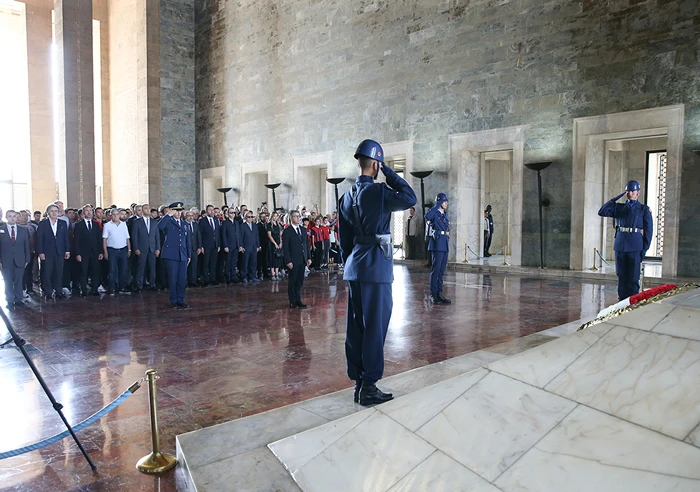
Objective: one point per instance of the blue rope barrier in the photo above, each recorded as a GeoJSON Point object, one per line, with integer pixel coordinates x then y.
{"type": "Point", "coordinates": [482, 257]}
{"type": "Point", "coordinates": [91, 419]}
{"type": "Point", "coordinates": [603, 259]}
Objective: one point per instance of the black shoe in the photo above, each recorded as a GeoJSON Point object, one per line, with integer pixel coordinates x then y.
{"type": "Point", "coordinates": [175, 306]}
{"type": "Point", "coordinates": [301, 305]}
{"type": "Point", "coordinates": [443, 299]}
{"type": "Point", "coordinates": [293, 305]}
{"type": "Point", "coordinates": [356, 393]}
{"type": "Point", "coordinates": [59, 295]}
{"type": "Point", "coordinates": [183, 305]}
{"type": "Point", "coordinates": [83, 294]}
{"type": "Point", "coordinates": [435, 300]}
{"type": "Point", "coordinates": [371, 395]}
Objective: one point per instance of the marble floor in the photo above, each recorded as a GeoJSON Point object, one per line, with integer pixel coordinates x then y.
{"type": "Point", "coordinates": [612, 408]}
{"type": "Point", "coordinates": [238, 352]}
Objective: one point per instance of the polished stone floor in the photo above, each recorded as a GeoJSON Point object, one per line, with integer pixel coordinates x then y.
{"type": "Point", "coordinates": [238, 351]}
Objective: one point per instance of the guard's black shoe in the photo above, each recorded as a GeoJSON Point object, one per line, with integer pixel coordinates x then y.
{"type": "Point", "coordinates": [301, 305]}
{"type": "Point", "coordinates": [182, 305]}
{"type": "Point", "coordinates": [435, 300]}
{"type": "Point", "coordinates": [443, 299]}
{"type": "Point", "coordinates": [356, 393]}
{"type": "Point", "coordinates": [371, 395]}
{"type": "Point", "coordinates": [293, 305]}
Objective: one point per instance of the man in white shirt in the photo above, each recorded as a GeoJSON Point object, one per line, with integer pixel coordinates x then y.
{"type": "Point", "coordinates": [116, 245]}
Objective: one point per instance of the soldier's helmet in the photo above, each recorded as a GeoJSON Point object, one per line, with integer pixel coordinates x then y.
{"type": "Point", "coordinates": [371, 149]}
{"type": "Point", "coordinates": [632, 186]}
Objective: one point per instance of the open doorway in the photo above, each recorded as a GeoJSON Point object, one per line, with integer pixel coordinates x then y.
{"type": "Point", "coordinates": [496, 182]}
{"type": "Point", "coordinates": [312, 188]}
{"type": "Point", "coordinates": [255, 192]}
{"type": "Point", "coordinates": [398, 219]}
{"type": "Point", "coordinates": [655, 194]}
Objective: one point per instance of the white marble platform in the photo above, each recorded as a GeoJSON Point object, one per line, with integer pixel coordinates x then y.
{"type": "Point", "coordinates": [611, 408]}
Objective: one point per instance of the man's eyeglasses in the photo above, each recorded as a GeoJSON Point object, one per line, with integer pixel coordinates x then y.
{"type": "Point", "coordinates": [248, 216]}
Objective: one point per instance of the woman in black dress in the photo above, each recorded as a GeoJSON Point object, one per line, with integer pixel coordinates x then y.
{"type": "Point", "coordinates": [275, 256]}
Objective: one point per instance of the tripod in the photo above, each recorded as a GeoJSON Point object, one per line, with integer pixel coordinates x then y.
{"type": "Point", "coordinates": [19, 342]}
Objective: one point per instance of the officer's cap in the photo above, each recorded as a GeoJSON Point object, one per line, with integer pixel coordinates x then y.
{"type": "Point", "coordinates": [488, 208]}
{"type": "Point", "coordinates": [177, 206]}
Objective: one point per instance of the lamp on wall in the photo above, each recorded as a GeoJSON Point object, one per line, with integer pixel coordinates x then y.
{"type": "Point", "coordinates": [335, 182]}
{"type": "Point", "coordinates": [224, 191]}
{"type": "Point", "coordinates": [272, 186]}
{"type": "Point", "coordinates": [422, 175]}
{"type": "Point", "coordinates": [539, 166]}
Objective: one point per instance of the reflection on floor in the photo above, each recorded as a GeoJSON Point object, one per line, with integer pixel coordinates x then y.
{"type": "Point", "coordinates": [240, 351]}
{"type": "Point", "coordinates": [613, 408]}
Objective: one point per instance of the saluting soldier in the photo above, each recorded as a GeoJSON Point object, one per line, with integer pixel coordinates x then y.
{"type": "Point", "coordinates": [176, 253]}
{"type": "Point", "coordinates": [633, 232]}
{"type": "Point", "coordinates": [365, 240]}
{"type": "Point", "coordinates": [439, 245]}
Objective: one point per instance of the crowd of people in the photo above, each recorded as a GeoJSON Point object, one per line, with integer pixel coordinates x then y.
{"type": "Point", "coordinates": [116, 251]}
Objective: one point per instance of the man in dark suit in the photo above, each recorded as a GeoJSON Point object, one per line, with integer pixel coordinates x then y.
{"type": "Point", "coordinates": [53, 248]}
{"type": "Point", "coordinates": [145, 240]}
{"type": "Point", "coordinates": [249, 242]}
{"type": "Point", "coordinates": [230, 242]}
{"type": "Point", "coordinates": [88, 251]}
{"type": "Point", "coordinates": [196, 250]}
{"type": "Point", "coordinates": [176, 253]}
{"type": "Point", "coordinates": [209, 229]}
{"type": "Point", "coordinates": [295, 248]}
{"type": "Point", "coordinates": [14, 258]}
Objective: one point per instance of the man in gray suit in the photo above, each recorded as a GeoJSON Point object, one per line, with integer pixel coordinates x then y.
{"type": "Point", "coordinates": [145, 238]}
{"type": "Point", "coordinates": [14, 258]}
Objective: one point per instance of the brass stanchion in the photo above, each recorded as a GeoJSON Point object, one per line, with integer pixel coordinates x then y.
{"type": "Point", "coordinates": [505, 251]}
{"type": "Point", "coordinates": [593, 268]}
{"type": "Point", "coordinates": [466, 250]}
{"type": "Point", "coordinates": [156, 462]}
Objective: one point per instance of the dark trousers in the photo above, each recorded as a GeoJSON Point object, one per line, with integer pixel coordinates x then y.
{"type": "Point", "coordinates": [627, 267]}
{"type": "Point", "coordinates": [145, 269]}
{"type": "Point", "coordinates": [161, 273]}
{"type": "Point", "coordinates": [369, 312]}
{"type": "Point", "coordinates": [117, 268]}
{"type": "Point", "coordinates": [221, 263]}
{"type": "Point", "coordinates": [437, 271]}
{"type": "Point", "coordinates": [487, 243]}
{"type": "Point", "coordinates": [177, 280]}
{"type": "Point", "coordinates": [326, 250]}
{"type": "Point", "coordinates": [295, 282]}
{"type": "Point", "coordinates": [28, 281]}
{"type": "Point", "coordinates": [192, 269]}
{"type": "Point", "coordinates": [14, 278]}
{"type": "Point", "coordinates": [411, 247]}
{"type": "Point", "coordinates": [262, 260]}
{"type": "Point", "coordinates": [231, 265]}
{"type": "Point", "coordinates": [317, 255]}
{"type": "Point", "coordinates": [249, 264]}
{"type": "Point", "coordinates": [89, 266]}
{"type": "Point", "coordinates": [52, 273]}
{"type": "Point", "coordinates": [209, 265]}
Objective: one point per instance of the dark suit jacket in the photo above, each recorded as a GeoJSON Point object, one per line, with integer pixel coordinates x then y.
{"type": "Point", "coordinates": [16, 253]}
{"type": "Point", "coordinates": [230, 235]}
{"type": "Point", "coordinates": [47, 243]}
{"type": "Point", "coordinates": [295, 248]}
{"type": "Point", "coordinates": [247, 239]}
{"type": "Point", "coordinates": [176, 245]}
{"type": "Point", "coordinates": [86, 242]}
{"type": "Point", "coordinates": [141, 239]}
{"type": "Point", "coordinates": [211, 238]}
{"type": "Point", "coordinates": [195, 236]}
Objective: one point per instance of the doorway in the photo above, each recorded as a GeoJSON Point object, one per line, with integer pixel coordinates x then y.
{"type": "Point", "coordinates": [209, 181]}
{"type": "Point", "coordinates": [398, 219]}
{"type": "Point", "coordinates": [496, 183]}
{"type": "Point", "coordinates": [255, 192]}
{"type": "Point", "coordinates": [312, 188]}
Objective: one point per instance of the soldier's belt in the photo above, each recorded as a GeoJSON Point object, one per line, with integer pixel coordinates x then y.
{"type": "Point", "coordinates": [629, 229]}
{"type": "Point", "coordinates": [442, 233]}
{"type": "Point", "coordinates": [382, 240]}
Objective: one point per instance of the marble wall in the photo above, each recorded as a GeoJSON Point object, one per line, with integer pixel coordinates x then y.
{"type": "Point", "coordinates": [280, 79]}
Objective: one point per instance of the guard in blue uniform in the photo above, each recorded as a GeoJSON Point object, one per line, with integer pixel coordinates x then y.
{"type": "Point", "coordinates": [176, 253]}
{"type": "Point", "coordinates": [487, 243]}
{"type": "Point", "coordinates": [439, 245]}
{"type": "Point", "coordinates": [633, 232]}
{"type": "Point", "coordinates": [365, 241]}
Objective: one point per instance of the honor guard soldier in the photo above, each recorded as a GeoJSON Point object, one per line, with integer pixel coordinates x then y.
{"type": "Point", "coordinates": [176, 253]}
{"type": "Point", "coordinates": [633, 232]}
{"type": "Point", "coordinates": [439, 245]}
{"type": "Point", "coordinates": [366, 247]}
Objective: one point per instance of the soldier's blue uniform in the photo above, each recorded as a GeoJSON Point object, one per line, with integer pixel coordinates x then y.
{"type": "Point", "coordinates": [367, 249]}
{"type": "Point", "coordinates": [439, 246]}
{"type": "Point", "coordinates": [176, 253]}
{"type": "Point", "coordinates": [634, 226]}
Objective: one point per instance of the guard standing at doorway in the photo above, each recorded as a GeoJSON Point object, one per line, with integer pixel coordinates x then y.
{"type": "Point", "coordinates": [487, 242]}
{"type": "Point", "coordinates": [439, 245]}
{"type": "Point", "coordinates": [633, 232]}
{"type": "Point", "coordinates": [365, 241]}
{"type": "Point", "coordinates": [176, 253]}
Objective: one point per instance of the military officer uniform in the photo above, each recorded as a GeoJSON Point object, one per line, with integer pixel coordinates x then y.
{"type": "Point", "coordinates": [487, 243]}
{"type": "Point", "coordinates": [439, 245]}
{"type": "Point", "coordinates": [365, 240]}
{"type": "Point", "coordinates": [634, 230]}
{"type": "Point", "coordinates": [176, 253]}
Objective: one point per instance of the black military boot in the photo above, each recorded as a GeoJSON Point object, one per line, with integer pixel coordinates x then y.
{"type": "Point", "coordinates": [435, 300]}
{"type": "Point", "coordinates": [356, 393]}
{"type": "Point", "coordinates": [443, 299]}
{"type": "Point", "coordinates": [371, 395]}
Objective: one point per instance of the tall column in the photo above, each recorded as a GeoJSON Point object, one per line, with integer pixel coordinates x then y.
{"type": "Point", "coordinates": [39, 38]}
{"type": "Point", "coordinates": [76, 132]}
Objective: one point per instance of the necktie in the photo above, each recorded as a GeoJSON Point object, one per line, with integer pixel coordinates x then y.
{"type": "Point", "coordinates": [13, 235]}
{"type": "Point", "coordinates": [250, 224]}
{"type": "Point", "coordinates": [191, 228]}
{"type": "Point", "coordinates": [211, 222]}
{"type": "Point", "coordinates": [298, 231]}
{"type": "Point", "coordinates": [148, 226]}
{"type": "Point", "coordinates": [178, 222]}
{"type": "Point", "coordinates": [89, 224]}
